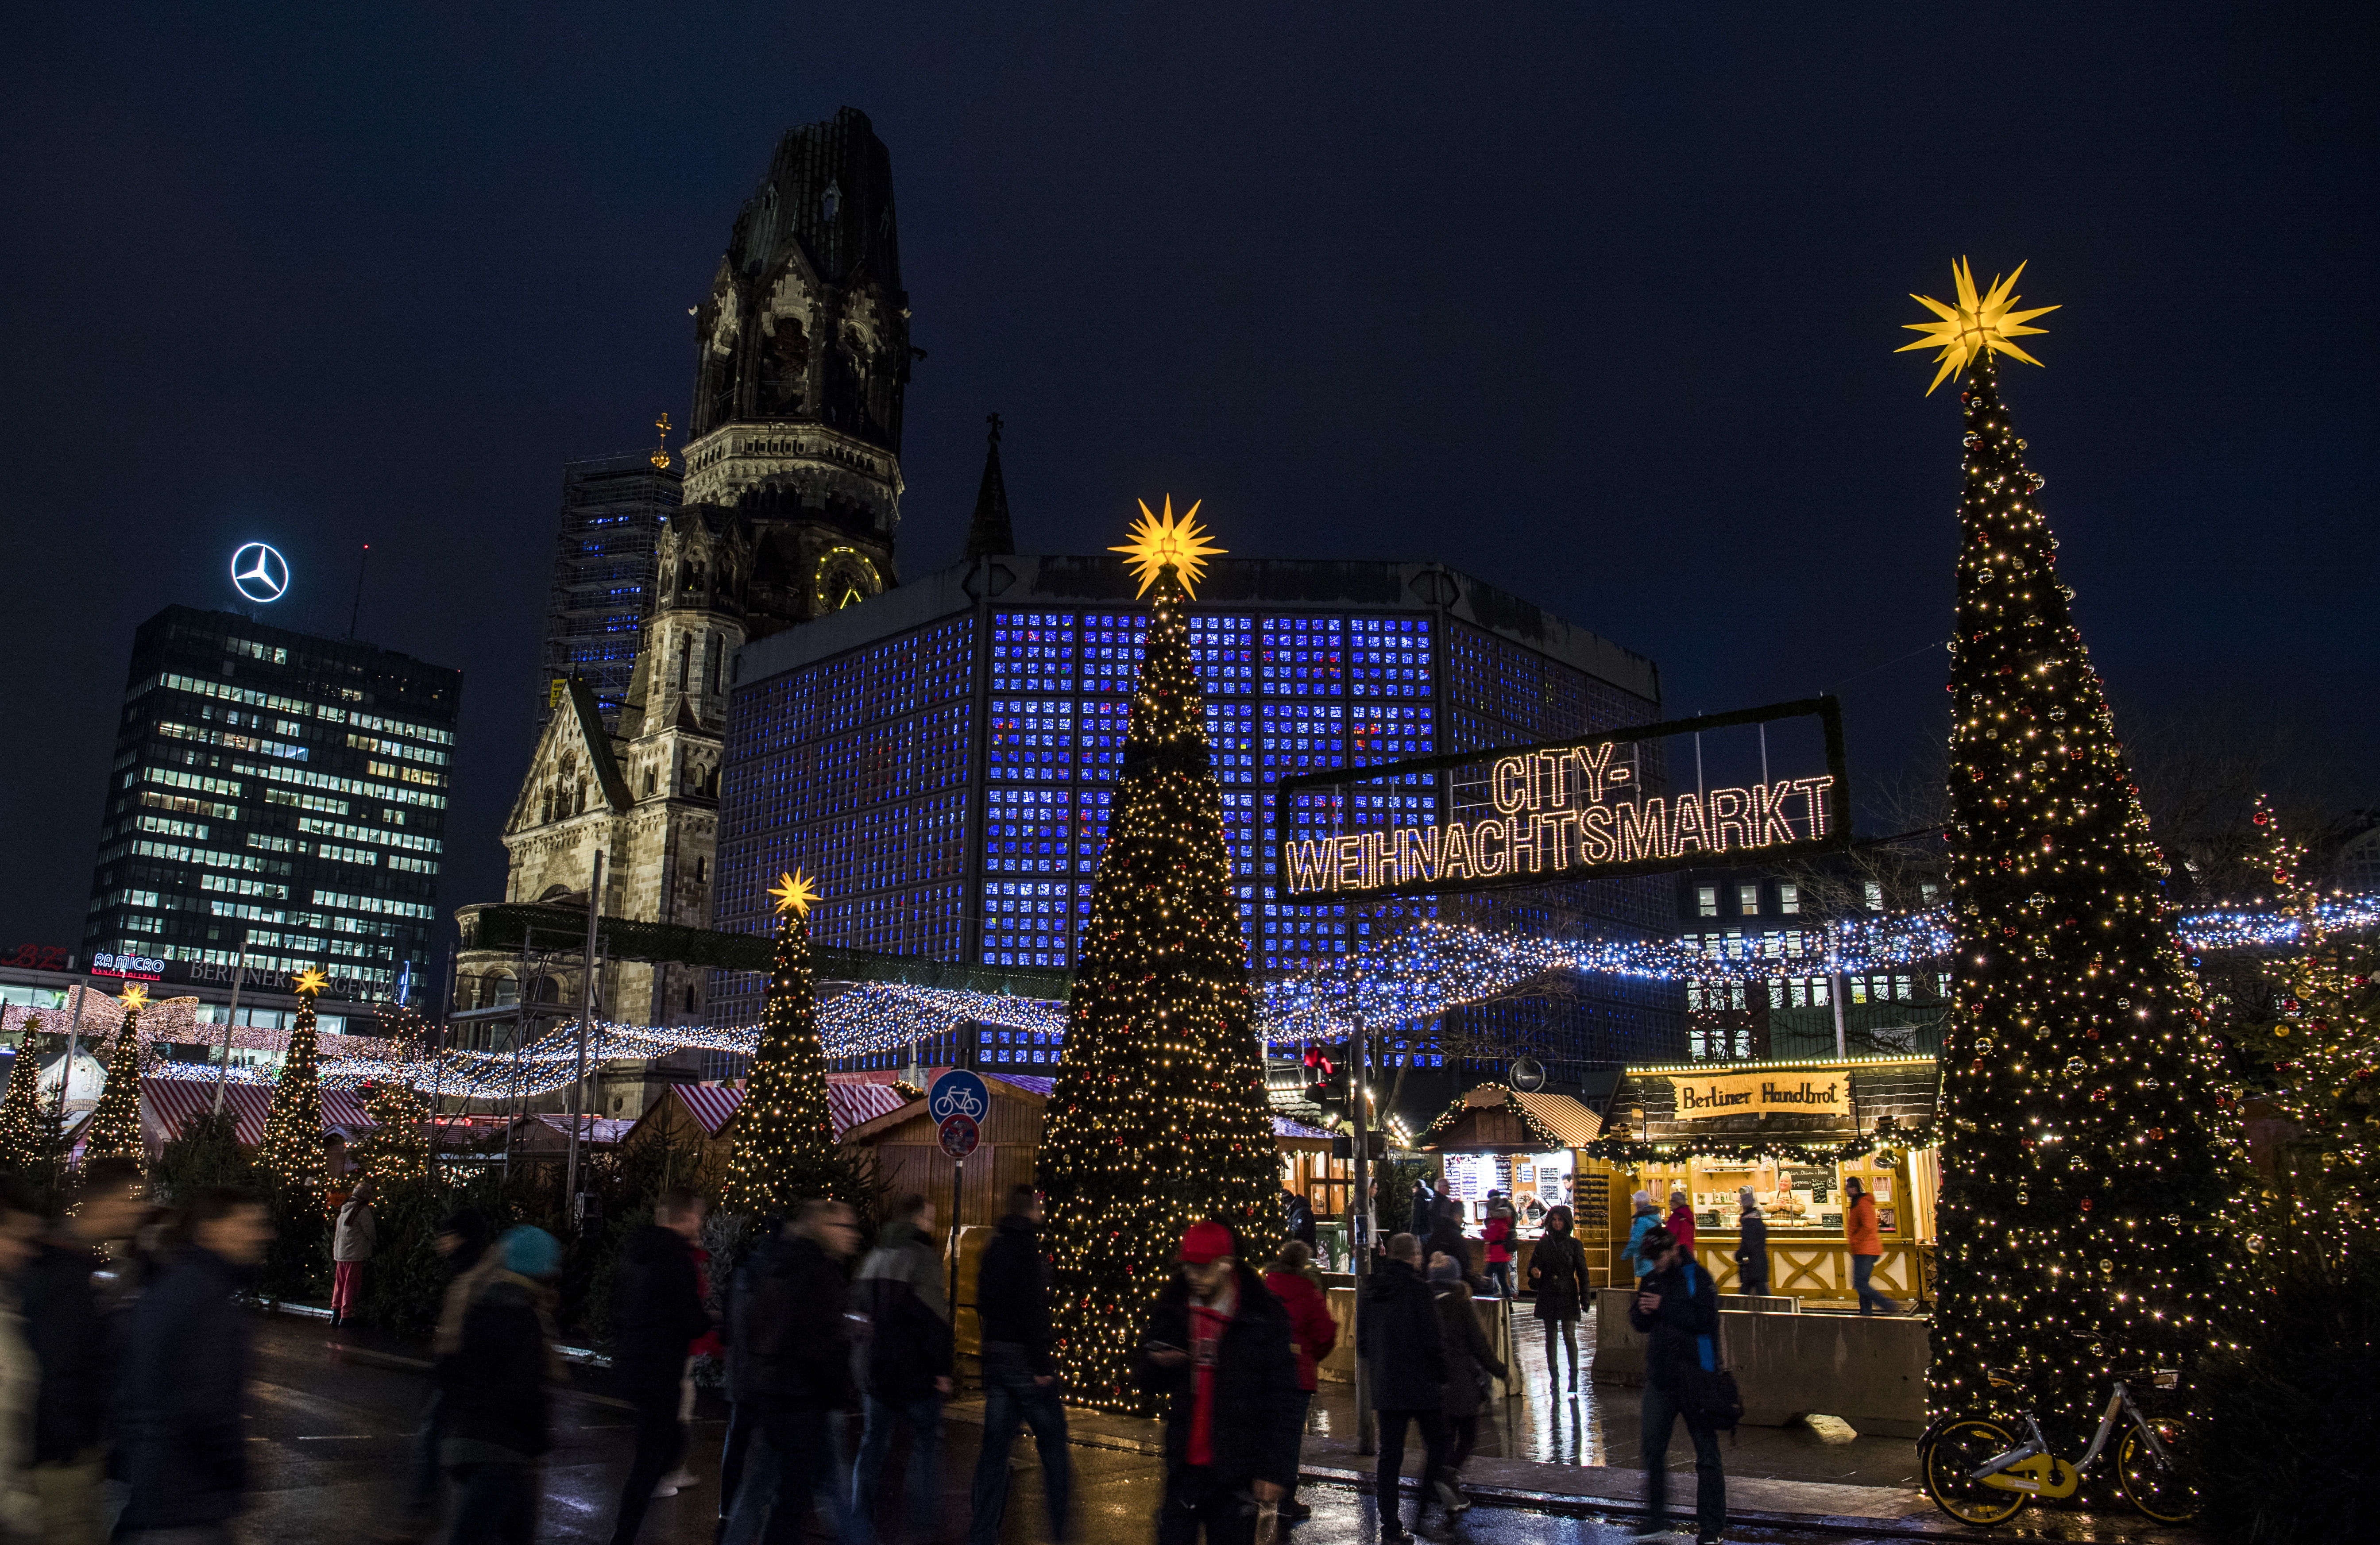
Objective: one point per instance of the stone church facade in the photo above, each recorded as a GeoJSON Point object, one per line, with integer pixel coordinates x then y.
{"type": "Point", "coordinates": [791, 502]}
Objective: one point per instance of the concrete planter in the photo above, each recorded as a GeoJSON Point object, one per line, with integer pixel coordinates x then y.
{"type": "Point", "coordinates": [1869, 1371]}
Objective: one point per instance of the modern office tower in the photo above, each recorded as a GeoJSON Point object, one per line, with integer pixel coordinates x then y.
{"type": "Point", "coordinates": [279, 788]}
{"type": "Point", "coordinates": [613, 511]}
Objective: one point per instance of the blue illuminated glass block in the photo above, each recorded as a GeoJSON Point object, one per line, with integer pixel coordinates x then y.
{"type": "Point", "coordinates": [1224, 650]}
{"type": "Point", "coordinates": [1105, 724]}
{"type": "Point", "coordinates": [1027, 830]}
{"type": "Point", "coordinates": [1033, 652]}
{"type": "Point", "coordinates": [1231, 740]}
{"type": "Point", "coordinates": [1303, 657]}
{"type": "Point", "coordinates": [1299, 738]}
{"type": "Point", "coordinates": [1390, 732]}
{"type": "Point", "coordinates": [1027, 922]}
{"type": "Point", "coordinates": [1091, 808]}
{"type": "Point", "coordinates": [1031, 738]}
{"type": "Point", "coordinates": [1389, 657]}
{"type": "Point", "coordinates": [1113, 645]}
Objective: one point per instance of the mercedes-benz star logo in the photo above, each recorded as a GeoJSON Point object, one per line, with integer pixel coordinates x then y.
{"type": "Point", "coordinates": [259, 572]}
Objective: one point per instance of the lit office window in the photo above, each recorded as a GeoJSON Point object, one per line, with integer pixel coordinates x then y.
{"type": "Point", "coordinates": [1789, 898]}
{"type": "Point", "coordinates": [1706, 901]}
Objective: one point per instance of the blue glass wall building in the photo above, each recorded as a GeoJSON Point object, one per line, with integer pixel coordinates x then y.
{"type": "Point", "coordinates": [943, 758]}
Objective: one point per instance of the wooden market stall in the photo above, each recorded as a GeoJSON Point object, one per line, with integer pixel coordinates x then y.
{"type": "Point", "coordinates": [1793, 1132]}
{"type": "Point", "coordinates": [1529, 1146]}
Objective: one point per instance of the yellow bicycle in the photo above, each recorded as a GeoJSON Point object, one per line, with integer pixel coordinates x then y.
{"type": "Point", "coordinates": [1978, 1471]}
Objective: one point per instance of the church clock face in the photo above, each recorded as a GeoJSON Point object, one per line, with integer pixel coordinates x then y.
{"type": "Point", "coordinates": [846, 577]}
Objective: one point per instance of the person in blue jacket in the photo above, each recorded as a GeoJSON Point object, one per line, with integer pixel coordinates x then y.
{"type": "Point", "coordinates": [1677, 1309]}
{"type": "Point", "coordinates": [1640, 1233]}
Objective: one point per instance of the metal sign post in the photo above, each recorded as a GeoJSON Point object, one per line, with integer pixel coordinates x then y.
{"type": "Point", "coordinates": [231, 1021]}
{"type": "Point", "coordinates": [957, 1103]}
{"type": "Point", "coordinates": [586, 1021]}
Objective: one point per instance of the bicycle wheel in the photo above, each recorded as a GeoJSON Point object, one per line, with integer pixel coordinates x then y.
{"type": "Point", "coordinates": [2153, 1485]}
{"type": "Point", "coordinates": [1950, 1462]}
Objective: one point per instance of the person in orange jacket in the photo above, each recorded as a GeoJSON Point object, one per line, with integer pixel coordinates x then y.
{"type": "Point", "coordinates": [1291, 1280]}
{"type": "Point", "coordinates": [1867, 1246]}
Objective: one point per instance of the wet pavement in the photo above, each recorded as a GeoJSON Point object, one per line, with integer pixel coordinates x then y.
{"type": "Point", "coordinates": [332, 1414]}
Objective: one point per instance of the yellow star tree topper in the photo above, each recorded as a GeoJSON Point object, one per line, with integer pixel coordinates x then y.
{"type": "Point", "coordinates": [1159, 543]}
{"type": "Point", "coordinates": [134, 999]}
{"type": "Point", "coordinates": [1975, 325]}
{"type": "Point", "coordinates": [793, 892]}
{"type": "Point", "coordinates": [311, 981]}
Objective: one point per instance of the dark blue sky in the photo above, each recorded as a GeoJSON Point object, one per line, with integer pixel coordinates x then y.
{"type": "Point", "coordinates": [1593, 300]}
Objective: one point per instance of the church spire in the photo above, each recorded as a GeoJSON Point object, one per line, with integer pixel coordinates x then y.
{"type": "Point", "coordinates": [989, 533]}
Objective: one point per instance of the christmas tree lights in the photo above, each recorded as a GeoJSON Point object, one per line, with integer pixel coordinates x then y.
{"type": "Point", "coordinates": [114, 1128]}
{"type": "Point", "coordinates": [396, 1151]}
{"type": "Point", "coordinates": [2082, 1205]}
{"type": "Point", "coordinates": [786, 1152]}
{"type": "Point", "coordinates": [292, 1151]}
{"type": "Point", "coordinates": [1159, 1117]}
{"type": "Point", "coordinates": [24, 1132]}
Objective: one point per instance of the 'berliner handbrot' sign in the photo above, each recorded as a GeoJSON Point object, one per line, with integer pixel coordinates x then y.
{"type": "Point", "coordinates": [1770, 1093]}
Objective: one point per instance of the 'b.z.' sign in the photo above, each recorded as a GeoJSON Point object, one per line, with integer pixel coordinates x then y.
{"type": "Point", "coordinates": [1654, 798]}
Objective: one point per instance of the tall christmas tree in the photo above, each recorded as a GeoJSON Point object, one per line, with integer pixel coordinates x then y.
{"type": "Point", "coordinates": [785, 1151]}
{"type": "Point", "coordinates": [2083, 1207]}
{"type": "Point", "coordinates": [24, 1129]}
{"type": "Point", "coordinates": [114, 1126]}
{"type": "Point", "coordinates": [1159, 1118]}
{"type": "Point", "coordinates": [291, 1153]}
{"type": "Point", "coordinates": [397, 1150]}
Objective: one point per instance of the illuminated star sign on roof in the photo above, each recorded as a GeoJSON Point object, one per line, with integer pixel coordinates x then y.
{"type": "Point", "coordinates": [1159, 543]}
{"type": "Point", "coordinates": [793, 892]}
{"type": "Point", "coordinates": [1975, 325]}
{"type": "Point", "coordinates": [133, 999]}
{"type": "Point", "coordinates": [311, 981]}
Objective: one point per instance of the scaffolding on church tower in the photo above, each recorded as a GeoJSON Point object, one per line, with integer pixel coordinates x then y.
{"type": "Point", "coordinates": [612, 509]}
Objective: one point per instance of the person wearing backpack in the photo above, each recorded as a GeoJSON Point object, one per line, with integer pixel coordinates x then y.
{"type": "Point", "coordinates": [1647, 1224]}
{"type": "Point", "coordinates": [1677, 1310]}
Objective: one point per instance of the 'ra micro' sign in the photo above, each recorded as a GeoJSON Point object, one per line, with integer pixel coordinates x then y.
{"type": "Point", "coordinates": [1766, 1093]}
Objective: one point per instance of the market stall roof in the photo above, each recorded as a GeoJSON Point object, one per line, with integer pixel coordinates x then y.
{"type": "Point", "coordinates": [1491, 1116]}
{"type": "Point", "coordinates": [168, 1104]}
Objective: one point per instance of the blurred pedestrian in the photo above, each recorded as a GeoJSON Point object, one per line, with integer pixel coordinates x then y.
{"type": "Point", "coordinates": [185, 1377]}
{"type": "Point", "coordinates": [1498, 1233]}
{"type": "Point", "coordinates": [495, 1403]}
{"type": "Point", "coordinates": [20, 1370]}
{"type": "Point", "coordinates": [1866, 1241]}
{"type": "Point", "coordinates": [906, 1363]}
{"type": "Point", "coordinates": [1297, 1216]}
{"type": "Point", "coordinates": [1677, 1310]}
{"type": "Point", "coordinates": [1425, 1204]}
{"type": "Point", "coordinates": [1641, 1229]}
{"type": "Point", "coordinates": [658, 1311]}
{"type": "Point", "coordinates": [1470, 1363]}
{"type": "Point", "coordinates": [461, 1244]}
{"type": "Point", "coordinates": [1313, 1335]}
{"type": "Point", "coordinates": [1557, 1272]}
{"type": "Point", "coordinates": [788, 1339]}
{"type": "Point", "coordinates": [1020, 1382]}
{"type": "Point", "coordinates": [1681, 1221]}
{"type": "Point", "coordinates": [1404, 1352]}
{"type": "Point", "coordinates": [1218, 1348]}
{"type": "Point", "coordinates": [66, 1325]}
{"type": "Point", "coordinates": [1446, 1233]}
{"type": "Point", "coordinates": [1752, 1247]}
{"type": "Point", "coordinates": [351, 1249]}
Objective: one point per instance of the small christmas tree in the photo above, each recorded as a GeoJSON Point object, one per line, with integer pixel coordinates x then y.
{"type": "Point", "coordinates": [24, 1126]}
{"type": "Point", "coordinates": [396, 1151]}
{"type": "Point", "coordinates": [785, 1151]}
{"type": "Point", "coordinates": [2321, 1039]}
{"type": "Point", "coordinates": [114, 1128]}
{"type": "Point", "coordinates": [1158, 1118]}
{"type": "Point", "coordinates": [291, 1153]}
{"type": "Point", "coordinates": [2083, 1204]}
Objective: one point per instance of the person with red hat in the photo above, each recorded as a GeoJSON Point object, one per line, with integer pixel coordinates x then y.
{"type": "Point", "coordinates": [1217, 1348]}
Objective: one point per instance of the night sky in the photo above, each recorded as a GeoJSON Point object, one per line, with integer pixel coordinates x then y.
{"type": "Point", "coordinates": [1594, 301]}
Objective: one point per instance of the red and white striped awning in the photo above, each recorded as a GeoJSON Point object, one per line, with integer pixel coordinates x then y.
{"type": "Point", "coordinates": [710, 1105]}
{"type": "Point", "coordinates": [168, 1104]}
{"type": "Point", "coordinates": [847, 1104]}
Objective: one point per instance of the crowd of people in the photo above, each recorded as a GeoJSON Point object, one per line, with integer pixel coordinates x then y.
{"type": "Point", "coordinates": [123, 1355]}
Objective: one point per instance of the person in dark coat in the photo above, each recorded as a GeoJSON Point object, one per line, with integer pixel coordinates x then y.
{"type": "Point", "coordinates": [1425, 1205]}
{"type": "Point", "coordinates": [1297, 1214]}
{"type": "Point", "coordinates": [67, 1328]}
{"type": "Point", "coordinates": [1469, 1362]}
{"type": "Point", "coordinates": [658, 1311]}
{"type": "Point", "coordinates": [1398, 1337]}
{"type": "Point", "coordinates": [906, 1364]}
{"type": "Point", "coordinates": [1445, 1236]}
{"type": "Point", "coordinates": [1557, 1272]}
{"type": "Point", "coordinates": [789, 1362]}
{"type": "Point", "coordinates": [494, 1400]}
{"type": "Point", "coordinates": [1020, 1382]}
{"type": "Point", "coordinates": [184, 1378]}
{"type": "Point", "coordinates": [1752, 1250]}
{"type": "Point", "coordinates": [1217, 1348]}
{"type": "Point", "coordinates": [1675, 1307]}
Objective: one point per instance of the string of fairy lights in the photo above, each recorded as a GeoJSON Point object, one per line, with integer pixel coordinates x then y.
{"type": "Point", "coordinates": [1427, 971]}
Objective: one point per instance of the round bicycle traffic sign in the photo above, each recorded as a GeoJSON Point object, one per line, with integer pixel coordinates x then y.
{"type": "Point", "coordinates": [958, 1093]}
{"type": "Point", "coordinates": [959, 1135]}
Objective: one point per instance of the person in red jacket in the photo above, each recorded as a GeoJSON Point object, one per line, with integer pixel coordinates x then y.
{"type": "Point", "coordinates": [1499, 1232]}
{"type": "Point", "coordinates": [1681, 1222]}
{"type": "Point", "coordinates": [1291, 1280]}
